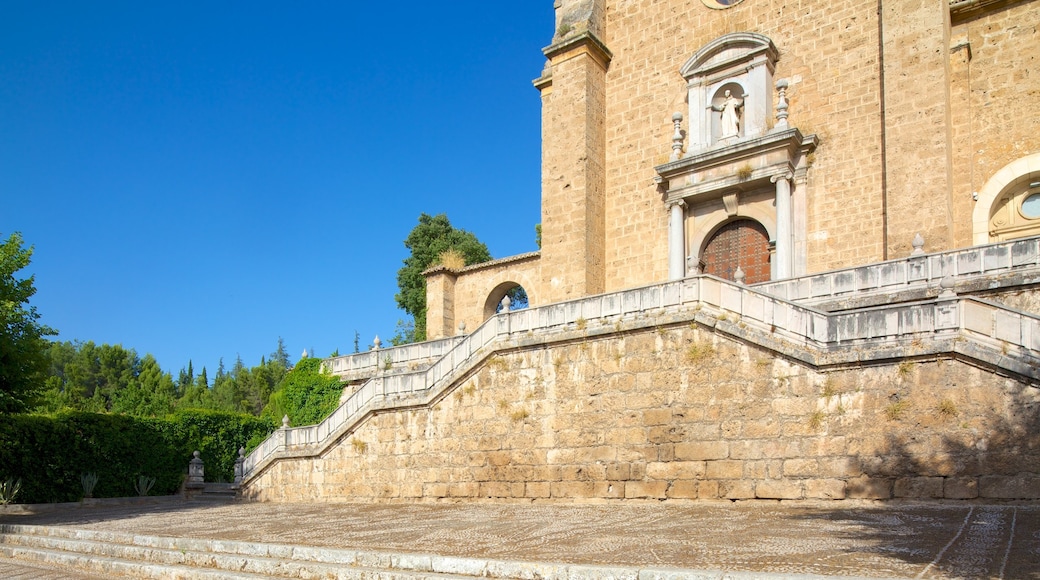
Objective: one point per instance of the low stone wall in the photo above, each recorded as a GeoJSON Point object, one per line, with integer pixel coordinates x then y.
{"type": "Point", "coordinates": [681, 412]}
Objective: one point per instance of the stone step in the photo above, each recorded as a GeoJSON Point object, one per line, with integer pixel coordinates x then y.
{"type": "Point", "coordinates": [136, 556]}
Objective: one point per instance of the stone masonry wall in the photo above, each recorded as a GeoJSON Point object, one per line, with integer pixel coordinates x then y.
{"type": "Point", "coordinates": [995, 92]}
{"type": "Point", "coordinates": [683, 413]}
{"type": "Point", "coordinates": [829, 53]}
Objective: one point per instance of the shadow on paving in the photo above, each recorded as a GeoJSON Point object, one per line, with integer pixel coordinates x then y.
{"type": "Point", "coordinates": [941, 540]}
{"type": "Point", "coordinates": [857, 539]}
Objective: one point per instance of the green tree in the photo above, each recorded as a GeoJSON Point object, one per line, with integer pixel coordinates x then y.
{"type": "Point", "coordinates": [23, 363]}
{"type": "Point", "coordinates": [433, 236]}
{"type": "Point", "coordinates": [307, 395]}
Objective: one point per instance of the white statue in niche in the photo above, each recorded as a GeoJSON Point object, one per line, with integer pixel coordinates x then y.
{"type": "Point", "coordinates": [730, 109]}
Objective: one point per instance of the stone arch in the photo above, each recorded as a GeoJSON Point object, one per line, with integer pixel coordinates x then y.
{"type": "Point", "coordinates": [738, 242]}
{"type": "Point", "coordinates": [1019, 172]}
{"type": "Point", "coordinates": [494, 297]}
{"type": "Point", "coordinates": [705, 230]}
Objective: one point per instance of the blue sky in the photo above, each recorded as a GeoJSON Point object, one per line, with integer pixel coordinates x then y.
{"type": "Point", "coordinates": [200, 179]}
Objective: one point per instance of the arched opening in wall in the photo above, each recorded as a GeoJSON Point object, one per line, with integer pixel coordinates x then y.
{"type": "Point", "coordinates": [740, 243]}
{"type": "Point", "coordinates": [1016, 210]}
{"type": "Point", "coordinates": [518, 299]}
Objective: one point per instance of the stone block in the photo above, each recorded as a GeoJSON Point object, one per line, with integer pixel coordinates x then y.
{"type": "Point", "coordinates": [464, 489]}
{"type": "Point", "coordinates": [724, 469]}
{"type": "Point", "coordinates": [866, 487]}
{"type": "Point", "coordinates": [610, 489]}
{"type": "Point", "coordinates": [571, 489]}
{"type": "Point", "coordinates": [1009, 487]}
{"type": "Point", "coordinates": [684, 490]}
{"type": "Point", "coordinates": [645, 489]}
{"type": "Point", "coordinates": [675, 470]}
{"type": "Point", "coordinates": [537, 489]}
{"type": "Point", "coordinates": [801, 468]}
{"type": "Point", "coordinates": [736, 489]}
{"type": "Point", "coordinates": [779, 489]}
{"type": "Point", "coordinates": [701, 450]}
{"type": "Point", "coordinates": [961, 488]}
{"type": "Point", "coordinates": [918, 487]}
{"type": "Point", "coordinates": [825, 489]}
{"type": "Point", "coordinates": [495, 489]}
{"type": "Point", "coordinates": [657, 417]}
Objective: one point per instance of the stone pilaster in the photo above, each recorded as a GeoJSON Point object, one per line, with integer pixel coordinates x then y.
{"type": "Point", "coordinates": [573, 167]}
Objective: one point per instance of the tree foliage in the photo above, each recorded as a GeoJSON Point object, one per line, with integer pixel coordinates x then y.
{"type": "Point", "coordinates": [22, 343]}
{"type": "Point", "coordinates": [307, 395]}
{"type": "Point", "coordinates": [427, 241]}
{"type": "Point", "coordinates": [84, 376]}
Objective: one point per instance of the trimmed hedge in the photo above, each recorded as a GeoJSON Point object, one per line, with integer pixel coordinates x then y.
{"type": "Point", "coordinates": [50, 453]}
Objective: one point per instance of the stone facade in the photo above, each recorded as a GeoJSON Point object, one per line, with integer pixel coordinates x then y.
{"type": "Point", "coordinates": [868, 366]}
{"type": "Point", "coordinates": [910, 115]}
{"type": "Point", "coordinates": [680, 412]}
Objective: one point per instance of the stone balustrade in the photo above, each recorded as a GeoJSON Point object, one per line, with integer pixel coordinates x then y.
{"type": "Point", "coordinates": [407, 356]}
{"type": "Point", "coordinates": [912, 272]}
{"type": "Point", "coordinates": [971, 327]}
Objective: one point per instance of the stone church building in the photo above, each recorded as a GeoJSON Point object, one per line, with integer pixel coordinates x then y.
{"type": "Point", "coordinates": [849, 129]}
{"type": "Point", "coordinates": [790, 250]}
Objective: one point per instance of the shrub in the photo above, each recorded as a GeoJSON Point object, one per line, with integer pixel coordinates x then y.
{"type": "Point", "coordinates": [51, 453]}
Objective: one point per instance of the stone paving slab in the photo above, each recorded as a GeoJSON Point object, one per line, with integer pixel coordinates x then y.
{"type": "Point", "coordinates": [889, 540]}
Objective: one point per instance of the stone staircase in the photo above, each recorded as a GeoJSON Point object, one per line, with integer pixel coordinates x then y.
{"type": "Point", "coordinates": [136, 556]}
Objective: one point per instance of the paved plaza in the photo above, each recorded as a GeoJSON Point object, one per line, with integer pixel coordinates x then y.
{"type": "Point", "coordinates": [898, 540]}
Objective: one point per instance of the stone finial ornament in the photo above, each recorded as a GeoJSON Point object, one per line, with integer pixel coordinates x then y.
{"type": "Point", "coordinates": [946, 286]}
{"type": "Point", "coordinates": [739, 276]}
{"type": "Point", "coordinates": [781, 104]}
{"type": "Point", "coordinates": [505, 303]}
{"type": "Point", "coordinates": [462, 328]}
{"type": "Point", "coordinates": [196, 471]}
{"type": "Point", "coordinates": [376, 343]}
{"type": "Point", "coordinates": [285, 422]}
{"type": "Point", "coordinates": [677, 137]}
{"type": "Point", "coordinates": [918, 244]}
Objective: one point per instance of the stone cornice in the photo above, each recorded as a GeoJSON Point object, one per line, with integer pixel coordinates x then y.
{"type": "Point", "coordinates": [438, 269]}
{"type": "Point", "coordinates": [584, 43]}
{"type": "Point", "coordinates": [790, 141]}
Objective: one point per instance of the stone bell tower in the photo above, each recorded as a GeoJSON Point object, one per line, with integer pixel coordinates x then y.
{"type": "Point", "coordinates": [573, 90]}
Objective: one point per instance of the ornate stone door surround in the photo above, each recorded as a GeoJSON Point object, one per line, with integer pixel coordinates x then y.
{"type": "Point", "coordinates": [760, 178]}
{"type": "Point", "coordinates": [737, 163]}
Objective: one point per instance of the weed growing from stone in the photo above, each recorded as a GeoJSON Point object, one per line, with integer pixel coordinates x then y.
{"type": "Point", "coordinates": [896, 410]}
{"type": "Point", "coordinates": [360, 447]}
{"type": "Point", "coordinates": [947, 409]}
{"type": "Point", "coordinates": [699, 351]}
{"type": "Point", "coordinates": [816, 420]}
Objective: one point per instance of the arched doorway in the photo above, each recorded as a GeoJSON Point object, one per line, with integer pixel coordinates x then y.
{"type": "Point", "coordinates": [517, 297]}
{"type": "Point", "coordinates": [743, 243]}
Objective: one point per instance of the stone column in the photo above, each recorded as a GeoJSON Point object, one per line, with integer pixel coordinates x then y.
{"type": "Point", "coordinates": [784, 246]}
{"type": "Point", "coordinates": [676, 241]}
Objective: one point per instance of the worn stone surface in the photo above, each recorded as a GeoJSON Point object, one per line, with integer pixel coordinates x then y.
{"type": "Point", "coordinates": [682, 412]}
{"type": "Point", "coordinates": [857, 539]}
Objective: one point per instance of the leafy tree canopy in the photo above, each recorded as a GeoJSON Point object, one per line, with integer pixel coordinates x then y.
{"type": "Point", "coordinates": [23, 364]}
{"type": "Point", "coordinates": [433, 236]}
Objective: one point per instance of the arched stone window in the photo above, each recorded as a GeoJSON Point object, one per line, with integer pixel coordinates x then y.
{"type": "Point", "coordinates": [1009, 204]}
{"type": "Point", "coordinates": [742, 243]}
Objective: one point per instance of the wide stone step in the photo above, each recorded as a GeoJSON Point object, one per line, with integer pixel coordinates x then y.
{"type": "Point", "coordinates": [114, 553]}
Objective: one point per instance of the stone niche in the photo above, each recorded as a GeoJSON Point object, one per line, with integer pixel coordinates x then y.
{"type": "Point", "coordinates": [741, 63]}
